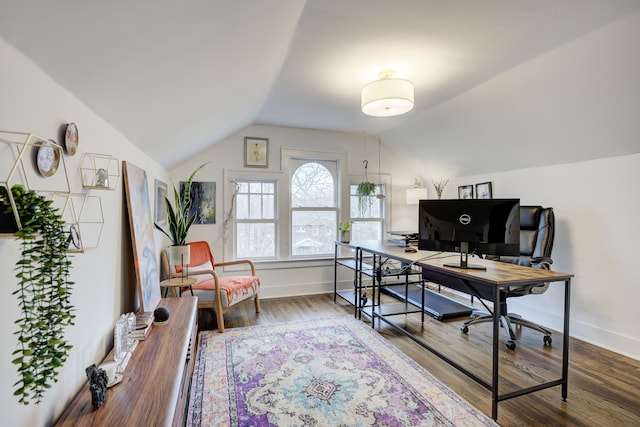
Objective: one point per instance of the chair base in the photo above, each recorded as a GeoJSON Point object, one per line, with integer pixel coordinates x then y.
{"type": "Point", "coordinates": [219, 311]}
{"type": "Point", "coordinates": [506, 322]}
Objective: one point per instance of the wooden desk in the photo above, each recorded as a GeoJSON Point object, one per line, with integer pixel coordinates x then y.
{"type": "Point", "coordinates": [154, 391]}
{"type": "Point", "coordinates": [480, 283]}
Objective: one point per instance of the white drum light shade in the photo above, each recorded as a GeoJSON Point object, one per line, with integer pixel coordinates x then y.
{"type": "Point", "coordinates": [387, 97]}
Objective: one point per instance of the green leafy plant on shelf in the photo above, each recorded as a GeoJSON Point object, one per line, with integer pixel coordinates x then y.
{"type": "Point", "coordinates": [344, 228]}
{"type": "Point", "coordinates": [44, 292]}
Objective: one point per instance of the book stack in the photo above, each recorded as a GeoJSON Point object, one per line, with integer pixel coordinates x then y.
{"type": "Point", "coordinates": [144, 323]}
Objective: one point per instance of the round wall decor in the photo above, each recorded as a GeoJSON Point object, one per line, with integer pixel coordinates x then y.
{"type": "Point", "coordinates": [71, 139]}
{"type": "Point", "coordinates": [48, 158]}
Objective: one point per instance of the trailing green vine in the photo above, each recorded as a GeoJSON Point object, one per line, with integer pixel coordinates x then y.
{"type": "Point", "coordinates": [44, 293]}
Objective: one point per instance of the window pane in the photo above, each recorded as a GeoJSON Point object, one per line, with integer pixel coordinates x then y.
{"type": "Point", "coordinates": [255, 206]}
{"type": "Point", "coordinates": [255, 240]}
{"type": "Point", "coordinates": [313, 232]}
{"type": "Point", "coordinates": [268, 207]}
{"type": "Point", "coordinates": [366, 230]}
{"type": "Point", "coordinates": [268, 187]}
{"type": "Point", "coordinates": [312, 185]}
{"type": "Point", "coordinates": [242, 206]}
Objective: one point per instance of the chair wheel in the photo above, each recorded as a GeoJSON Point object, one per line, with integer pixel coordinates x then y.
{"type": "Point", "coordinates": [511, 345]}
{"type": "Point", "coordinates": [465, 329]}
{"type": "Point", "coordinates": [547, 340]}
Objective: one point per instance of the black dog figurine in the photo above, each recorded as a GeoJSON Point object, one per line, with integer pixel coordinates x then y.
{"type": "Point", "coordinates": [98, 381]}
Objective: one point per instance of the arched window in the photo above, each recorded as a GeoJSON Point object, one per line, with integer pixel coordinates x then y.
{"type": "Point", "coordinates": [314, 207]}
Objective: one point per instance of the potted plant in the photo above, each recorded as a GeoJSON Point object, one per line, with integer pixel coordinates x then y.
{"type": "Point", "coordinates": [44, 291]}
{"type": "Point", "coordinates": [365, 191]}
{"type": "Point", "coordinates": [345, 231]}
{"type": "Point", "coordinates": [180, 219]}
{"type": "Point", "coordinates": [439, 186]}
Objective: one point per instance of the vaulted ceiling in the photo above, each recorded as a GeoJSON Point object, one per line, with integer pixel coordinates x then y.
{"type": "Point", "coordinates": [175, 77]}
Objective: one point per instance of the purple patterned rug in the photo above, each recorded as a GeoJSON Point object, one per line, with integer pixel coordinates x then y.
{"type": "Point", "coordinates": [332, 372]}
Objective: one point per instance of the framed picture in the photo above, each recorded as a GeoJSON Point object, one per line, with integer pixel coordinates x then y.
{"type": "Point", "coordinates": [203, 201]}
{"type": "Point", "coordinates": [144, 247]}
{"type": "Point", "coordinates": [483, 190]}
{"type": "Point", "coordinates": [160, 206]}
{"type": "Point", "coordinates": [465, 192]}
{"type": "Point", "coordinates": [256, 152]}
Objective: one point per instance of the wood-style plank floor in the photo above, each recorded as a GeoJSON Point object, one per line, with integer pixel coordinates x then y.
{"type": "Point", "coordinates": [604, 387]}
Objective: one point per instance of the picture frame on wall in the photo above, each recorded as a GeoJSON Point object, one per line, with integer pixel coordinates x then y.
{"type": "Point", "coordinates": [465, 192]}
{"type": "Point", "coordinates": [203, 201]}
{"type": "Point", "coordinates": [256, 152]}
{"type": "Point", "coordinates": [484, 191]}
{"type": "Point", "coordinates": [160, 205]}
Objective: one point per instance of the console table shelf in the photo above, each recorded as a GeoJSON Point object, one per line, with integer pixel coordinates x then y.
{"type": "Point", "coordinates": [155, 388]}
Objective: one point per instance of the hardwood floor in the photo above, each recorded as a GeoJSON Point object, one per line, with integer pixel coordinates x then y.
{"type": "Point", "coordinates": [604, 387]}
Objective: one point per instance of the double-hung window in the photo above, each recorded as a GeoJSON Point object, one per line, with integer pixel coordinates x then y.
{"type": "Point", "coordinates": [256, 219]}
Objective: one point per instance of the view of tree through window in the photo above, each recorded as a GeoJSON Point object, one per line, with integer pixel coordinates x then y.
{"type": "Point", "coordinates": [314, 211]}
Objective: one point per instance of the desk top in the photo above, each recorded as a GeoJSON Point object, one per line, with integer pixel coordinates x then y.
{"type": "Point", "coordinates": [496, 273]}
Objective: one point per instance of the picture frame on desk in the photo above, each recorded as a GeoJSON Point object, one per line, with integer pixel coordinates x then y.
{"type": "Point", "coordinates": [484, 191]}
{"type": "Point", "coordinates": [465, 192]}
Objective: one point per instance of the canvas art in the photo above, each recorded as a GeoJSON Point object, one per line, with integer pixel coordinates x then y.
{"type": "Point", "coordinates": [203, 201]}
{"type": "Point", "coordinates": [141, 225]}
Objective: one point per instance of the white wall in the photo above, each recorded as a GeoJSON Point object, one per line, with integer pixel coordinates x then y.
{"type": "Point", "coordinates": [32, 102]}
{"type": "Point", "coordinates": [596, 209]}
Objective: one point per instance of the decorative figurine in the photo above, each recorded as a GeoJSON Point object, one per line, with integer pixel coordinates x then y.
{"type": "Point", "coordinates": [98, 381]}
{"type": "Point", "coordinates": [102, 178]}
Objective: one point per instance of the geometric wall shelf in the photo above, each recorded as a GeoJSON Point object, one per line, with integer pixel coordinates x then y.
{"type": "Point", "coordinates": [34, 162]}
{"type": "Point", "coordinates": [84, 219]}
{"type": "Point", "coordinates": [99, 171]}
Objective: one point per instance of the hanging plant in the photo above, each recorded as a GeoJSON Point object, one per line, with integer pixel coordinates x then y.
{"type": "Point", "coordinates": [44, 293]}
{"type": "Point", "coordinates": [365, 191]}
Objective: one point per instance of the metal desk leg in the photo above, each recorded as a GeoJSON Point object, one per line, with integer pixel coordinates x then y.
{"type": "Point", "coordinates": [565, 339]}
{"type": "Point", "coordinates": [495, 374]}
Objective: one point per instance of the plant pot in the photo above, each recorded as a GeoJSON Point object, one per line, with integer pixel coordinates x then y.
{"type": "Point", "coordinates": [345, 237]}
{"type": "Point", "coordinates": [8, 224]}
{"type": "Point", "coordinates": [180, 255]}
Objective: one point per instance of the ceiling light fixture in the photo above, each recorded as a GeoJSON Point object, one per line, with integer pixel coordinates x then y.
{"type": "Point", "coordinates": [388, 96]}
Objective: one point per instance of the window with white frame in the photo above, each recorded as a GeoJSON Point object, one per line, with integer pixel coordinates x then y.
{"type": "Point", "coordinates": [314, 195]}
{"type": "Point", "coordinates": [367, 214]}
{"type": "Point", "coordinates": [256, 219]}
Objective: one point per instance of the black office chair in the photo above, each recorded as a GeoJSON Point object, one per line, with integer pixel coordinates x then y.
{"type": "Point", "coordinates": [537, 230]}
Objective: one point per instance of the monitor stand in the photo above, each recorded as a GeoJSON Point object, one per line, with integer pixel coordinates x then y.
{"type": "Point", "coordinates": [464, 254]}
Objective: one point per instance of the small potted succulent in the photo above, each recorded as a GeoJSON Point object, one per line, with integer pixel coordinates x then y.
{"type": "Point", "coordinates": [345, 231]}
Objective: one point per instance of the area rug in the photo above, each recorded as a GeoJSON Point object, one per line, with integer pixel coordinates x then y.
{"type": "Point", "coordinates": [330, 372]}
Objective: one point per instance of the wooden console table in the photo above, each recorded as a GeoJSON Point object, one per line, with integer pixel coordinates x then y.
{"type": "Point", "coordinates": [154, 391]}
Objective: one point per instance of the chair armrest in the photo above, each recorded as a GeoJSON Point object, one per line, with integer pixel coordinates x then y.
{"type": "Point", "coordinates": [541, 262]}
{"type": "Point", "coordinates": [237, 262]}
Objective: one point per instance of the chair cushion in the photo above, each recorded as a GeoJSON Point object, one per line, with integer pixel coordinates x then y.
{"type": "Point", "coordinates": [233, 289]}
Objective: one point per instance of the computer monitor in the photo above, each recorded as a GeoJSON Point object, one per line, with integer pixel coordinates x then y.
{"type": "Point", "coordinates": [480, 226]}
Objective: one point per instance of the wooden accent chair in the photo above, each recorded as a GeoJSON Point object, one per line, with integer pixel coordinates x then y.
{"type": "Point", "coordinates": [221, 293]}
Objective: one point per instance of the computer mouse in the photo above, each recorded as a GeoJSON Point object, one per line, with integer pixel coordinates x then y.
{"type": "Point", "coordinates": [410, 249]}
